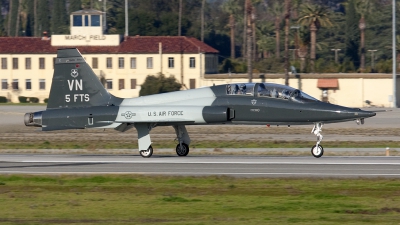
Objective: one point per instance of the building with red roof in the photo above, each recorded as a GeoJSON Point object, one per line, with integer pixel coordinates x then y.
{"type": "Point", "coordinates": [26, 63]}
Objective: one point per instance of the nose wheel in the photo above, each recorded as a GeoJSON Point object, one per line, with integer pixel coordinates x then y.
{"type": "Point", "coordinates": [147, 153]}
{"type": "Point", "coordinates": [317, 151]}
{"type": "Point", "coordinates": [182, 149]}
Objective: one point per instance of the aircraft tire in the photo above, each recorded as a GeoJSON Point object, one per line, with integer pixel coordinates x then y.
{"type": "Point", "coordinates": [147, 153]}
{"type": "Point", "coordinates": [184, 151]}
{"type": "Point", "coordinates": [317, 153]}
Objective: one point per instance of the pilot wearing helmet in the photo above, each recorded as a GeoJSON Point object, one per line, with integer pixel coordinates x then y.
{"type": "Point", "coordinates": [242, 89]}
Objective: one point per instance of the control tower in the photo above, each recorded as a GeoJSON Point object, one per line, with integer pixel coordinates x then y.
{"type": "Point", "coordinates": [87, 29]}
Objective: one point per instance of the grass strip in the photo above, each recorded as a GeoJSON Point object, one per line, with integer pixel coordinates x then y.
{"type": "Point", "coordinates": [135, 199]}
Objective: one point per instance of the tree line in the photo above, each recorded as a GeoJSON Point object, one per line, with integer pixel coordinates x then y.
{"type": "Point", "coordinates": [251, 35]}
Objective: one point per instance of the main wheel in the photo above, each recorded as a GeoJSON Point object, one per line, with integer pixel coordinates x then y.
{"type": "Point", "coordinates": [184, 151]}
{"type": "Point", "coordinates": [147, 153]}
{"type": "Point", "coordinates": [317, 152]}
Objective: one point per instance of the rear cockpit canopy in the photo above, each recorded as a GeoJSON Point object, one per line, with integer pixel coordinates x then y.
{"type": "Point", "coordinates": [269, 90]}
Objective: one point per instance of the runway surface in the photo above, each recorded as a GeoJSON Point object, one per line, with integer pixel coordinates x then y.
{"type": "Point", "coordinates": [241, 166]}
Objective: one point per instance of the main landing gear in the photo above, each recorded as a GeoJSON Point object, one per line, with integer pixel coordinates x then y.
{"type": "Point", "coordinates": [144, 141]}
{"type": "Point", "coordinates": [317, 150]}
{"type": "Point", "coordinates": [182, 149]}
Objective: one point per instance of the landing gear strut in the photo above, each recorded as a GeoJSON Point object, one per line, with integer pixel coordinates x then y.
{"type": "Point", "coordinates": [317, 150]}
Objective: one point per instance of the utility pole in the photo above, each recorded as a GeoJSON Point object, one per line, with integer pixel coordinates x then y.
{"type": "Point", "coordinates": [336, 54]}
{"type": "Point", "coordinates": [126, 19]}
{"type": "Point", "coordinates": [287, 26]}
{"type": "Point", "coordinates": [104, 16]}
{"type": "Point", "coordinates": [180, 18]}
{"type": "Point", "coordinates": [372, 58]}
{"type": "Point", "coordinates": [394, 53]}
{"type": "Point", "coordinates": [249, 40]}
{"type": "Point", "coordinates": [202, 19]}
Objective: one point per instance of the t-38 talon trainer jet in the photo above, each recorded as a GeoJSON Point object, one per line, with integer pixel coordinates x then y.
{"type": "Point", "coordinates": [78, 100]}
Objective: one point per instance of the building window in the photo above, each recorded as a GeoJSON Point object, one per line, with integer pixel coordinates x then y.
{"type": "Point", "coordinates": [77, 20]}
{"type": "Point", "coordinates": [109, 84]}
{"type": "Point", "coordinates": [15, 63]}
{"type": "Point", "coordinates": [133, 83]}
{"type": "Point", "coordinates": [133, 63]}
{"type": "Point", "coordinates": [109, 63]}
{"type": "Point", "coordinates": [4, 63]}
{"type": "Point", "coordinates": [15, 84]}
{"type": "Point", "coordinates": [121, 62]}
{"type": "Point", "coordinates": [41, 63]}
{"type": "Point", "coordinates": [121, 84]}
{"type": "Point", "coordinates": [28, 63]}
{"type": "Point", "coordinates": [149, 62]}
{"type": "Point", "coordinates": [42, 84]}
{"type": "Point", "coordinates": [170, 62]}
{"type": "Point", "coordinates": [4, 85]}
{"type": "Point", "coordinates": [28, 84]}
{"type": "Point", "coordinates": [192, 62]}
{"type": "Point", "coordinates": [86, 20]}
{"type": "Point", "coordinates": [95, 20]}
{"type": "Point", "coordinates": [95, 63]}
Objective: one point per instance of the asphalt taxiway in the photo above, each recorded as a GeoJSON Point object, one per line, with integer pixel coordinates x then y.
{"type": "Point", "coordinates": [238, 166]}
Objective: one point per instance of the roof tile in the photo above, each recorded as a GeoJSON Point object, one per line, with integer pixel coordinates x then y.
{"type": "Point", "coordinates": [131, 45]}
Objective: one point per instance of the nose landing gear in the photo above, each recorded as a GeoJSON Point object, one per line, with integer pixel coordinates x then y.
{"type": "Point", "coordinates": [317, 150]}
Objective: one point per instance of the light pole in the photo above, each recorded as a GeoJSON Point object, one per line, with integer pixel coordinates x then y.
{"type": "Point", "coordinates": [336, 54]}
{"type": "Point", "coordinates": [296, 40]}
{"type": "Point", "coordinates": [372, 58]}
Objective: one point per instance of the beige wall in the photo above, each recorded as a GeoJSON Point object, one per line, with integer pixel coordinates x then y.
{"type": "Point", "coordinates": [351, 92]}
{"type": "Point", "coordinates": [115, 73]}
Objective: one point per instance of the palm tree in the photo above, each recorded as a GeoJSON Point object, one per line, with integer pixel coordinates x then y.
{"type": "Point", "coordinates": [363, 7]}
{"type": "Point", "coordinates": [277, 10]}
{"type": "Point", "coordinates": [296, 6]}
{"type": "Point", "coordinates": [231, 7]}
{"type": "Point", "coordinates": [265, 42]}
{"type": "Point", "coordinates": [314, 16]}
{"type": "Point", "coordinates": [180, 18]}
{"type": "Point", "coordinates": [9, 18]}
{"type": "Point", "coordinates": [35, 31]}
{"type": "Point", "coordinates": [18, 18]}
{"type": "Point", "coordinates": [203, 3]}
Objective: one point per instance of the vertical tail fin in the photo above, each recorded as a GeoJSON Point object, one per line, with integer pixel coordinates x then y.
{"type": "Point", "coordinates": [75, 84]}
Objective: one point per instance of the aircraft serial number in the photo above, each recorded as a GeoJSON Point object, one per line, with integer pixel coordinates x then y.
{"type": "Point", "coordinates": [165, 113]}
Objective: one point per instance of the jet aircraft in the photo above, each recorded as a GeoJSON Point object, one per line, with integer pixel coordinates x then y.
{"type": "Point", "coordinates": [78, 100]}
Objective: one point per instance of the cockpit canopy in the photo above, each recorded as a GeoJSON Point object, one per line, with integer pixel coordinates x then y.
{"type": "Point", "coordinates": [269, 90]}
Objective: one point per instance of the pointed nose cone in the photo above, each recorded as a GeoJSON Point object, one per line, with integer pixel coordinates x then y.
{"type": "Point", "coordinates": [357, 113]}
{"type": "Point", "coordinates": [364, 114]}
